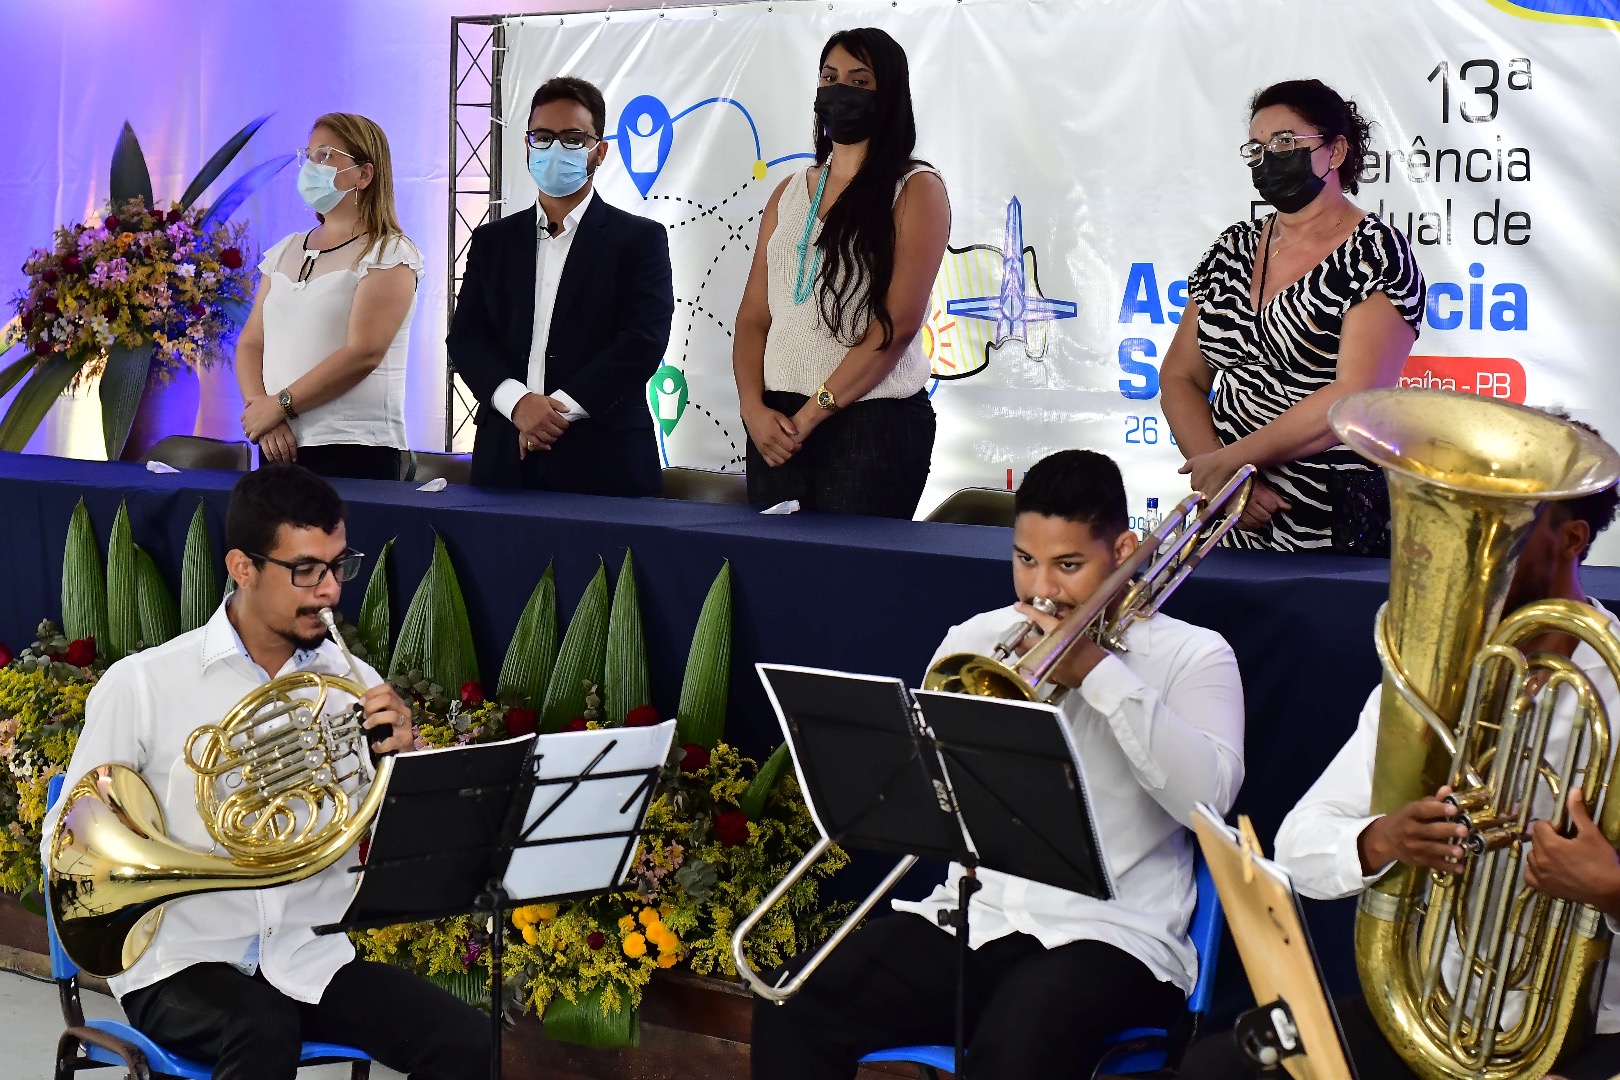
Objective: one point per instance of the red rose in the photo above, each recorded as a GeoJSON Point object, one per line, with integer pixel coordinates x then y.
{"type": "Point", "coordinates": [230, 259]}
{"type": "Point", "coordinates": [42, 347]}
{"type": "Point", "coordinates": [694, 758]}
{"type": "Point", "coordinates": [49, 277]}
{"type": "Point", "coordinates": [5, 655]}
{"type": "Point", "coordinates": [72, 264]}
{"type": "Point", "coordinates": [521, 721]}
{"type": "Point", "coordinates": [27, 319]}
{"type": "Point", "coordinates": [197, 311]}
{"type": "Point", "coordinates": [472, 695]}
{"type": "Point", "coordinates": [81, 653]}
{"type": "Point", "coordinates": [48, 305]}
{"type": "Point", "coordinates": [578, 723]}
{"type": "Point", "coordinates": [111, 223]}
{"type": "Point", "coordinates": [641, 716]}
{"type": "Point", "coordinates": [596, 940]}
{"type": "Point", "coordinates": [731, 828]}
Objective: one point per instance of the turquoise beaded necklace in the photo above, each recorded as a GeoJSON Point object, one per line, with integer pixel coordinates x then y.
{"type": "Point", "coordinates": [803, 286]}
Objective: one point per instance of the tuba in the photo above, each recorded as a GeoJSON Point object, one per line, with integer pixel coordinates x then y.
{"type": "Point", "coordinates": [273, 800]}
{"type": "Point", "coordinates": [1135, 590]}
{"type": "Point", "coordinates": [1461, 705]}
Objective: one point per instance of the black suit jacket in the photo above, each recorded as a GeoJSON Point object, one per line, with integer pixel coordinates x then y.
{"type": "Point", "coordinates": [609, 329]}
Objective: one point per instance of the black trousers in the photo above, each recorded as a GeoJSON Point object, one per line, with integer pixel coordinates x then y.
{"type": "Point", "coordinates": [870, 458]}
{"type": "Point", "coordinates": [1218, 1057]}
{"type": "Point", "coordinates": [355, 462]}
{"type": "Point", "coordinates": [1031, 1011]}
{"type": "Point", "coordinates": [213, 1012]}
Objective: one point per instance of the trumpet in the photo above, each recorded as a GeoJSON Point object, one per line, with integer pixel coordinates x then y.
{"type": "Point", "coordinates": [285, 816]}
{"type": "Point", "coordinates": [1135, 590]}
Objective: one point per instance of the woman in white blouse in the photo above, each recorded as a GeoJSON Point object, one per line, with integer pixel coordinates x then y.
{"type": "Point", "coordinates": [321, 361]}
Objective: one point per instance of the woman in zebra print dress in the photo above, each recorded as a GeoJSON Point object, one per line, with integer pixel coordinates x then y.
{"type": "Point", "coordinates": [1284, 317]}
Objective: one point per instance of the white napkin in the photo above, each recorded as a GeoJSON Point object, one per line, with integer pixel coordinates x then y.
{"type": "Point", "coordinates": [789, 507]}
{"type": "Point", "coordinates": [438, 483]}
{"type": "Point", "coordinates": [159, 467]}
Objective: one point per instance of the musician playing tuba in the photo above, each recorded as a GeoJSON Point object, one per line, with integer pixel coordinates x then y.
{"type": "Point", "coordinates": [1159, 727]}
{"type": "Point", "coordinates": [1334, 847]}
{"type": "Point", "coordinates": [239, 978]}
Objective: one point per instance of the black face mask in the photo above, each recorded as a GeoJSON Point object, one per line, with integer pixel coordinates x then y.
{"type": "Point", "coordinates": [848, 113]}
{"type": "Point", "coordinates": [1286, 180]}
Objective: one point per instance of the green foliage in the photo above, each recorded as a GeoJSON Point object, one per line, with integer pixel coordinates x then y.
{"type": "Point", "coordinates": [587, 1022]}
{"type": "Point", "coordinates": [624, 675]}
{"type": "Point", "coordinates": [123, 612]}
{"type": "Point", "coordinates": [765, 781]}
{"type": "Point", "coordinates": [219, 162]}
{"type": "Point", "coordinates": [84, 584]}
{"type": "Point", "coordinates": [123, 382]}
{"type": "Point", "coordinates": [376, 617]}
{"type": "Point", "coordinates": [130, 178]}
{"type": "Point", "coordinates": [579, 664]}
{"type": "Point", "coordinates": [701, 718]}
{"type": "Point", "coordinates": [35, 399]}
{"type": "Point", "coordinates": [159, 615]}
{"type": "Point", "coordinates": [532, 655]}
{"type": "Point", "coordinates": [435, 630]}
{"type": "Point", "coordinates": [199, 575]}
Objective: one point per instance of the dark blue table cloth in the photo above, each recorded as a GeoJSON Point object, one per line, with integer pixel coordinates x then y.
{"type": "Point", "coordinates": [857, 594]}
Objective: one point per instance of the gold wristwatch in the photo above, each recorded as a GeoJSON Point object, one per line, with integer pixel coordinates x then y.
{"type": "Point", "coordinates": [285, 400]}
{"type": "Point", "coordinates": [825, 399]}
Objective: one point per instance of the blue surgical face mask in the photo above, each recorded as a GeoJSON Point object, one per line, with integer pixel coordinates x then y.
{"type": "Point", "coordinates": [559, 171]}
{"type": "Point", "coordinates": [317, 184]}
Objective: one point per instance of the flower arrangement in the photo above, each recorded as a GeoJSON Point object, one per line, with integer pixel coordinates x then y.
{"type": "Point", "coordinates": [138, 294]}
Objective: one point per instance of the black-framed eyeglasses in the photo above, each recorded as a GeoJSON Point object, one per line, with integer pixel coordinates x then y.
{"type": "Point", "coordinates": [1282, 142]}
{"type": "Point", "coordinates": [311, 572]}
{"type": "Point", "coordinates": [573, 139]}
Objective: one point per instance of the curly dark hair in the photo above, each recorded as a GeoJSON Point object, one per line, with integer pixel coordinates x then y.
{"type": "Point", "coordinates": [1597, 509]}
{"type": "Point", "coordinates": [857, 238]}
{"type": "Point", "coordinates": [1324, 109]}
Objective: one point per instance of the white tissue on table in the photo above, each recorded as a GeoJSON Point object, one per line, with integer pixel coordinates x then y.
{"type": "Point", "coordinates": [159, 467]}
{"type": "Point", "coordinates": [438, 483]}
{"type": "Point", "coordinates": [782, 507]}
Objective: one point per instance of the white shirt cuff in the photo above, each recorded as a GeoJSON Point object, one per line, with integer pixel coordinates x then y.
{"type": "Point", "coordinates": [506, 397]}
{"type": "Point", "coordinates": [1350, 856]}
{"type": "Point", "coordinates": [1107, 685]}
{"type": "Point", "coordinates": [571, 409]}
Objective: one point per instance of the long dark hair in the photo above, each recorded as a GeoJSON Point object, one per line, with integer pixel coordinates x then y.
{"type": "Point", "coordinates": [857, 239]}
{"type": "Point", "coordinates": [1321, 106]}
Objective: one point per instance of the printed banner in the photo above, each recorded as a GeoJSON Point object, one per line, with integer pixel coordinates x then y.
{"type": "Point", "coordinates": [1090, 151]}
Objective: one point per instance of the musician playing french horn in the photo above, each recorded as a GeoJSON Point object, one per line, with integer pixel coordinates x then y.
{"type": "Point", "coordinates": [1159, 727]}
{"type": "Point", "coordinates": [239, 978]}
{"type": "Point", "coordinates": [1334, 847]}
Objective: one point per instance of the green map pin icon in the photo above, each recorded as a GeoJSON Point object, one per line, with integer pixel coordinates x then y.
{"type": "Point", "coordinates": [666, 396]}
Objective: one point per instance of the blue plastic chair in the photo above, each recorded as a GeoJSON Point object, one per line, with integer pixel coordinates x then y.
{"type": "Point", "coordinates": [100, 1043]}
{"type": "Point", "coordinates": [1136, 1050]}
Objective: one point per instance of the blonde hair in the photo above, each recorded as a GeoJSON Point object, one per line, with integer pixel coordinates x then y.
{"type": "Point", "coordinates": [375, 202]}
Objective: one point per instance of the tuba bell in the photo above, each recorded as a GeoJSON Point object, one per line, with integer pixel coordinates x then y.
{"type": "Point", "coordinates": [1461, 705]}
{"type": "Point", "coordinates": [283, 816]}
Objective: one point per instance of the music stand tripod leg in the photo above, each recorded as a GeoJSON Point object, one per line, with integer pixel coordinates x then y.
{"type": "Point", "coordinates": [493, 900]}
{"type": "Point", "coordinates": [966, 886]}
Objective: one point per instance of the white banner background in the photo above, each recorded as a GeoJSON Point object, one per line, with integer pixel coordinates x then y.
{"type": "Point", "coordinates": [1115, 126]}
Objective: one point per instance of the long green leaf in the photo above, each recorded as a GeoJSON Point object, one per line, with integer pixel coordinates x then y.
{"type": "Point", "coordinates": [123, 612]}
{"type": "Point", "coordinates": [130, 178]}
{"type": "Point", "coordinates": [160, 617]}
{"type": "Point", "coordinates": [584, 1023]}
{"type": "Point", "coordinates": [199, 575]}
{"type": "Point", "coordinates": [122, 386]}
{"type": "Point", "coordinates": [219, 162]}
{"type": "Point", "coordinates": [35, 399]}
{"type": "Point", "coordinates": [533, 652]}
{"type": "Point", "coordinates": [764, 782]}
{"type": "Point", "coordinates": [13, 373]}
{"type": "Point", "coordinates": [624, 674]}
{"type": "Point", "coordinates": [84, 585]}
{"type": "Point", "coordinates": [376, 617]}
{"type": "Point", "coordinates": [435, 631]}
{"type": "Point", "coordinates": [237, 193]}
{"type": "Point", "coordinates": [701, 718]}
{"type": "Point", "coordinates": [580, 660]}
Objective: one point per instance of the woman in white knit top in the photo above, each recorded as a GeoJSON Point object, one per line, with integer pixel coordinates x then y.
{"type": "Point", "coordinates": [830, 370]}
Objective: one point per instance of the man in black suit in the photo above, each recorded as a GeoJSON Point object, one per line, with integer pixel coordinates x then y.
{"type": "Point", "coordinates": [562, 317]}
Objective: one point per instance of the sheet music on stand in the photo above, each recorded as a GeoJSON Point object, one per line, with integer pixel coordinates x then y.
{"type": "Point", "coordinates": [485, 828]}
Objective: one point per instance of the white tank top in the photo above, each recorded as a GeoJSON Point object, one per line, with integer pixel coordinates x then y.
{"type": "Point", "coordinates": [801, 351]}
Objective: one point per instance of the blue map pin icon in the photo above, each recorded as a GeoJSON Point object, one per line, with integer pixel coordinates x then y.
{"type": "Point", "coordinates": [644, 137]}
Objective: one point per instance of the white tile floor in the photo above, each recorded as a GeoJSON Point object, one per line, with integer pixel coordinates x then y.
{"type": "Point", "coordinates": [31, 1020]}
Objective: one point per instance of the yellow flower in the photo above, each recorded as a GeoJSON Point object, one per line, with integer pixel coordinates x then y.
{"type": "Point", "coordinates": [527, 916]}
{"type": "Point", "coordinates": [664, 938]}
{"type": "Point", "coordinates": [530, 935]}
{"type": "Point", "coordinates": [627, 924]}
{"type": "Point", "coordinates": [635, 946]}
{"type": "Point", "coordinates": [669, 960]}
{"type": "Point", "coordinates": [546, 912]}
{"type": "Point", "coordinates": [666, 910]}
{"type": "Point", "coordinates": [648, 916]}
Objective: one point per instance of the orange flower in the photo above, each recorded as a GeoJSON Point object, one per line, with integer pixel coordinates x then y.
{"type": "Point", "coordinates": [635, 946]}
{"type": "Point", "coordinates": [648, 916]}
{"type": "Point", "coordinates": [669, 960]}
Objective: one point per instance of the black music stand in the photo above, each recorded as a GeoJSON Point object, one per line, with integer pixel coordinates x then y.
{"type": "Point", "coordinates": [979, 781]}
{"type": "Point", "coordinates": [491, 827]}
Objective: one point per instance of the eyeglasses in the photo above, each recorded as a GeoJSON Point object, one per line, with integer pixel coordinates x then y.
{"type": "Point", "coordinates": [311, 572]}
{"type": "Point", "coordinates": [1281, 143]}
{"type": "Point", "coordinates": [541, 139]}
{"type": "Point", "coordinates": [321, 155]}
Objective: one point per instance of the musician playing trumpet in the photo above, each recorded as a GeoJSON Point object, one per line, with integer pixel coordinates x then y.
{"type": "Point", "coordinates": [238, 979]}
{"type": "Point", "coordinates": [1159, 728]}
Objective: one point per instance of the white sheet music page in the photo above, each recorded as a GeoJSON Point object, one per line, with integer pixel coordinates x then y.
{"type": "Point", "coordinates": [591, 794]}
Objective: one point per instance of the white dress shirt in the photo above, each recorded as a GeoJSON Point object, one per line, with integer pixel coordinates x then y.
{"type": "Point", "coordinates": [1159, 728]}
{"type": "Point", "coordinates": [1317, 843]}
{"type": "Point", "coordinates": [550, 257]}
{"type": "Point", "coordinates": [139, 715]}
